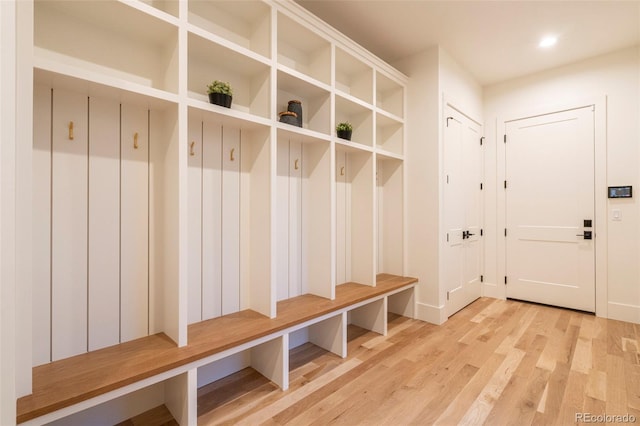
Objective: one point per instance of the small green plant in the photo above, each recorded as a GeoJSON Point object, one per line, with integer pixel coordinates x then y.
{"type": "Point", "coordinates": [344, 127]}
{"type": "Point", "coordinates": [220, 87]}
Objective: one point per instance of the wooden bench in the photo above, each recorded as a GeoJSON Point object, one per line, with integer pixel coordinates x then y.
{"type": "Point", "coordinates": [129, 366]}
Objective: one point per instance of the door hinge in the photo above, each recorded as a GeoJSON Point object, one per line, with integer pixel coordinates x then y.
{"type": "Point", "coordinates": [481, 232]}
{"type": "Point", "coordinates": [480, 186]}
{"type": "Point", "coordinates": [447, 237]}
{"type": "Point", "coordinates": [505, 232]}
{"type": "Point", "coordinates": [447, 295]}
{"type": "Point", "coordinates": [447, 178]}
{"type": "Point", "coordinates": [505, 138]}
{"type": "Point", "coordinates": [505, 184]}
{"type": "Point", "coordinates": [481, 278]}
{"type": "Point", "coordinates": [481, 140]}
{"type": "Point", "coordinates": [505, 279]}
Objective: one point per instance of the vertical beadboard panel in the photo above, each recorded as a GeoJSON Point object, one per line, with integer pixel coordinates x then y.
{"type": "Point", "coordinates": [282, 221]}
{"type": "Point", "coordinates": [230, 220]}
{"type": "Point", "coordinates": [212, 221]}
{"type": "Point", "coordinates": [295, 218]}
{"type": "Point", "coordinates": [341, 217]}
{"type": "Point", "coordinates": [69, 225]}
{"type": "Point", "coordinates": [134, 228]}
{"type": "Point", "coordinates": [104, 223]}
{"type": "Point", "coordinates": [41, 224]}
{"type": "Point", "coordinates": [194, 302]}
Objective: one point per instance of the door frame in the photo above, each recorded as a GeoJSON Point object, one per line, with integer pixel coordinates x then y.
{"type": "Point", "coordinates": [600, 197]}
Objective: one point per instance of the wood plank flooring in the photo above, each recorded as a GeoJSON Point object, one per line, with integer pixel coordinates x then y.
{"type": "Point", "coordinates": [496, 362]}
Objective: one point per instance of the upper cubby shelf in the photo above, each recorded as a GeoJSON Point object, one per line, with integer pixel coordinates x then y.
{"type": "Point", "coordinates": [249, 78]}
{"type": "Point", "coordinates": [245, 23]}
{"type": "Point", "coordinates": [302, 50]}
{"type": "Point", "coordinates": [389, 95]}
{"type": "Point", "coordinates": [316, 102]}
{"type": "Point", "coordinates": [361, 119]}
{"type": "Point", "coordinates": [107, 39]}
{"type": "Point", "coordinates": [389, 134]}
{"type": "Point", "coordinates": [353, 77]}
{"type": "Point", "coordinates": [168, 6]}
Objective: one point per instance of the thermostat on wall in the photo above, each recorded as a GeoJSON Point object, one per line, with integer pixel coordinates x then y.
{"type": "Point", "coordinates": [620, 191]}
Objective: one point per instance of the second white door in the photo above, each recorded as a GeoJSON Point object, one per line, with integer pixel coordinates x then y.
{"type": "Point", "coordinates": [550, 246]}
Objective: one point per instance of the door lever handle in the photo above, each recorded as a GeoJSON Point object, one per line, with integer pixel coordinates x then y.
{"type": "Point", "coordinates": [588, 235]}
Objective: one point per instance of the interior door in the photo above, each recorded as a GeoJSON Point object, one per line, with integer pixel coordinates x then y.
{"type": "Point", "coordinates": [550, 250]}
{"type": "Point", "coordinates": [463, 207]}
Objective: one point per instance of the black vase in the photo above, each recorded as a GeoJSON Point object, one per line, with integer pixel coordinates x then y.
{"type": "Point", "coordinates": [296, 106]}
{"type": "Point", "coordinates": [220, 99]}
{"type": "Point", "coordinates": [344, 134]}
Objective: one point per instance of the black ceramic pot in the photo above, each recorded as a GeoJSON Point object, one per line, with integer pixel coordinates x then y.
{"type": "Point", "coordinates": [345, 134]}
{"type": "Point", "coordinates": [289, 117]}
{"type": "Point", "coordinates": [296, 106]}
{"type": "Point", "coordinates": [220, 99]}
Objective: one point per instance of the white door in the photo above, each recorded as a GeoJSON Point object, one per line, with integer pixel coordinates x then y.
{"type": "Point", "coordinates": [462, 207]}
{"type": "Point", "coordinates": [549, 201]}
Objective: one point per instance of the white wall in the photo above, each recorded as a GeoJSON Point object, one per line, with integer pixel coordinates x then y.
{"type": "Point", "coordinates": [616, 76]}
{"type": "Point", "coordinates": [7, 213]}
{"type": "Point", "coordinates": [433, 77]}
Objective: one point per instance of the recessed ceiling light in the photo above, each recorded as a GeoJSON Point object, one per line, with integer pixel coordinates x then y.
{"type": "Point", "coordinates": [548, 41]}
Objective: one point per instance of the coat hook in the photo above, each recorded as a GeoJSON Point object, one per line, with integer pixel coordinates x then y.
{"type": "Point", "coordinates": [295, 164]}
{"type": "Point", "coordinates": [191, 148]}
{"type": "Point", "coordinates": [232, 157]}
{"type": "Point", "coordinates": [71, 130]}
{"type": "Point", "coordinates": [135, 140]}
{"type": "Point", "coordinates": [342, 171]}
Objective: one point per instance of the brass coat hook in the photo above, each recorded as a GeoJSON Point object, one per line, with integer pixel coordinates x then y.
{"type": "Point", "coordinates": [295, 164]}
{"type": "Point", "coordinates": [191, 148]}
{"type": "Point", "coordinates": [232, 158]}
{"type": "Point", "coordinates": [71, 130]}
{"type": "Point", "coordinates": [342, 171]}
{"type": "Point", "coordinates": [135, 140]}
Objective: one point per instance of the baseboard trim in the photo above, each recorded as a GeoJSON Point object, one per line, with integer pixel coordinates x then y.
{"type": "Point", "coordinates": [493, 291]}
{"type": "Point", "coordinates": [624, 312]}
{"type": "Point", "coordinates": [431, 314]}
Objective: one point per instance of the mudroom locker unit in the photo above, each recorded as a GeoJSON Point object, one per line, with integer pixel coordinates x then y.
{"type": "Point", "coordinates": [155, 211]}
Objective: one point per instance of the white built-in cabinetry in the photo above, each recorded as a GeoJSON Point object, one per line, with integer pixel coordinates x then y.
{"type": "Point", "coordinates": [154, 209]}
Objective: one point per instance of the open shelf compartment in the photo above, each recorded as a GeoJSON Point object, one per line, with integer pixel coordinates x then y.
{"type": "Point", "coordinates": [389, 95]}
{"type": "Point", "coordinates": [228, 209]}
{"type": "Point", "coordinates": [245, 23]}
{"type": "Point", "coordinates": [361, 119]}
{"type": "Point", "coordinates": [390, 208]}
{"type": "Point", "coordinates": [107, 38]}
{"type": "Point", "coordinates": [303, 50]}
{"type": "Point", "coordinates": [303, 217]}
{"type": "Point", "coordinates": [316, 101]}
{"type": "Point", "coordinates": [249, 78]}
{"type": "Point", "coordinates": [355, 245]}
{"type": "Point", "coordinates": [389, 134]}
{"type": "Point", "coordinates": [353, 77]}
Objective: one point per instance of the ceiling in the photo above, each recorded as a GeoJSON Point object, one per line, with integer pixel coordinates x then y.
{"type": "Point", "coordinates": [494, 40]}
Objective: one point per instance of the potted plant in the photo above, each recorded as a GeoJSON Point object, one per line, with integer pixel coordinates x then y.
{"type": "Point", "coordinates": [220, 93]}
{"type": "Point", "coordinates": [344, 130]}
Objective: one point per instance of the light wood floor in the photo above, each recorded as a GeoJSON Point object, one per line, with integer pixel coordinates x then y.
{"type": "Point", "coordinates": [495, 362]}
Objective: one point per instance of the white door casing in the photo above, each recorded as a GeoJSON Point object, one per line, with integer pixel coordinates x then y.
{"type": "Point", "coordinates": [462, 210]}
{"type": "Point", "coordinates": [549, 171]}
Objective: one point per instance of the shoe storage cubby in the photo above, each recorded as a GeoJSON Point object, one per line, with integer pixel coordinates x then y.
{"type": "Point", "coordinates": [155, 211]}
